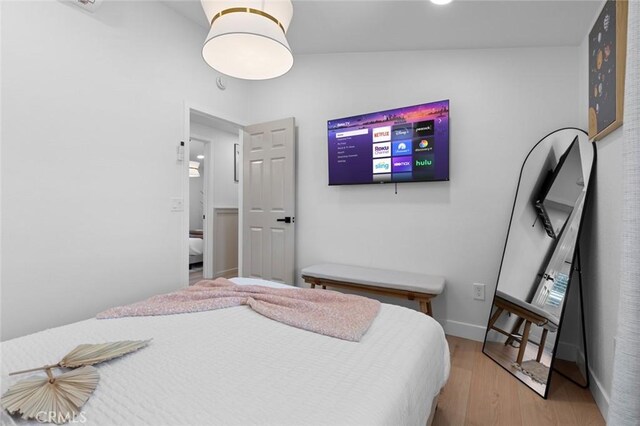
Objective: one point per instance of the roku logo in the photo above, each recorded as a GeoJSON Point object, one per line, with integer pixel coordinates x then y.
{"type": "Point", "coordinates": [382, 149]}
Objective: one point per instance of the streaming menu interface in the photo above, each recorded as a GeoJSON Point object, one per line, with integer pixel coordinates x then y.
{"type": "Point", "coordinates": [398, 151]}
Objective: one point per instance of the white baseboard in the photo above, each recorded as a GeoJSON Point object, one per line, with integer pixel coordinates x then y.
{"type": "Point", "coordinates": [464, 330]}
{"type": "Point", "coordinates": [600, 395]}
{"type": "Point", "coordinates": [233, 271]}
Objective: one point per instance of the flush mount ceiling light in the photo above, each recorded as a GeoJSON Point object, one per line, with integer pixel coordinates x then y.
{"type": "Point", "coordinates": [247, 38]}
{"type": "Point", "coordinates": [441, 2]}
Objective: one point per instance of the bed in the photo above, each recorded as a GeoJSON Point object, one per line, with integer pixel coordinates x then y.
{"type": "Point", "coordinates": [196, 247]}
{"type": "Point", "coordinates": [235, 367]}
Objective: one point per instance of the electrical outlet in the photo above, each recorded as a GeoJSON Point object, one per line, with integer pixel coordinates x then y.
{"type": "Point", "coordinates": [478, 291]}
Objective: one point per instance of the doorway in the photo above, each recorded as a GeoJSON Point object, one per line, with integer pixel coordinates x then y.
{"type": "Point", "coordinates": [212, 196]}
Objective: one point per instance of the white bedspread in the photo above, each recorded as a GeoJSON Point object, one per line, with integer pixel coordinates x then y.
{"type": "Point", "coordinates": [236, 367]}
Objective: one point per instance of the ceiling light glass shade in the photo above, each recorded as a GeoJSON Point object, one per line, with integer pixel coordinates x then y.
{"type": "Point", "coordinates": [194, 164]}
{"type": "Point", "coordinates": [247, 38]}
{"type": "Point", "coordinates": [441, 2]}
{"type": "Point", "coordinates": [194, 173]}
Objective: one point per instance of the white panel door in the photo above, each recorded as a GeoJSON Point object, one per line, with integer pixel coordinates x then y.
{"type": "Point", "coordinates": [269, 201]}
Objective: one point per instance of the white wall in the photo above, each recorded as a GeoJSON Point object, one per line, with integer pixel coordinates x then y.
{"type": "Point", "coordinates": [93, 109]}
{"type": "Point", "coordinates": [196, 200]}
{"type": "Point", "coordinates": [196, 189]}
{"type": "Point", "coordinates": [601, 249]}
{"type": "Point", "coordinates": [502, 102]}
{"type": "Point", "coordinates": [225, 189]}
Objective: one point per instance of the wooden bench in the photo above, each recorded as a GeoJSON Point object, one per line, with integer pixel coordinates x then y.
{"type": "Point", "coordinates": [527, 313]}
{"type": "Point", "coordinates": [407, 285]}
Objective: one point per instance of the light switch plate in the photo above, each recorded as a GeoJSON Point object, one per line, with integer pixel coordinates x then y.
{"type": "Point", "coordinates": [177, 204]}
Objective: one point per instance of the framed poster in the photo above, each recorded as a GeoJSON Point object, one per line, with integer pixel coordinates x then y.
{"type": "Point", "coordinates": [607, 58]}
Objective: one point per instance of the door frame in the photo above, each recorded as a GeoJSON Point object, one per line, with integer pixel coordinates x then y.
{"type": "Point", "coordinates": [221, 122]}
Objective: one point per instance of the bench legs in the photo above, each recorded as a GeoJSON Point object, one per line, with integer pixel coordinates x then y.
{"type": "Point", "coordinates": [524, 341]}
{"type": "Point", "coordinates": [423, 299]}
{"type": "Point", "coordinates": [543, 340]}
{"type": "Point", "coordinates": [425, 307]}
{"type": "Point", "coordinates": [313, 285]}
{"type": "Point", "coordinates": [495, 317]}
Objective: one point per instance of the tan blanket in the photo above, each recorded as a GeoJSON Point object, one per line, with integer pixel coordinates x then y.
{"type": "Point", "coordinates": [322, 311]}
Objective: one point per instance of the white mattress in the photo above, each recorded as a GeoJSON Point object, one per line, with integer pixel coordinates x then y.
{"type": "Point", "coordinates": [195, 246]}
{"type": "Point", "coordinates": [235, 367]}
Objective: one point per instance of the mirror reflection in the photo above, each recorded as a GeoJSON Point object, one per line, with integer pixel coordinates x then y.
{"type": "Point", "coordinates": [539, 257]}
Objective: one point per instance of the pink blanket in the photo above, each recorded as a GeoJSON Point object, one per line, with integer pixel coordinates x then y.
{"type": "Point", "coordinates": [322, 311]}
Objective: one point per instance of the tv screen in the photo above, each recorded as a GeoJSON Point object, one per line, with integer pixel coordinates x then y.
{"type": "Point", "coordinates": [409, 144]}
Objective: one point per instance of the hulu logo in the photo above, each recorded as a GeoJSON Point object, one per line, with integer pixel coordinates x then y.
{"type": "Point", "coordinates": [424, 163]}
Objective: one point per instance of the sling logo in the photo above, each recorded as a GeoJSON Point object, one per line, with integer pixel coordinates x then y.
{"type": "Point", "coordinates": [381, 149]}
{"type": "Point", "coordinates": [382, 165]}
{"type": "Point", "coordinates": [381, 134]}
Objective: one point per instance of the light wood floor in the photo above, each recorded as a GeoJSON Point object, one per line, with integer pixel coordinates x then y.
{"type": "Point", "coordinates": [196, 275]}
{"type": "Point", "coordinates": [480, 392]}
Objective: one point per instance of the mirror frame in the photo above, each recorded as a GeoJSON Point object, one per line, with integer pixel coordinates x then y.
{"type": "Point", "coordinates": [574, 265]}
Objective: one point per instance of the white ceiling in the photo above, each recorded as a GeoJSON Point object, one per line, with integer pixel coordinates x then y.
{"type": "Point", "coordinates": [332, 26]}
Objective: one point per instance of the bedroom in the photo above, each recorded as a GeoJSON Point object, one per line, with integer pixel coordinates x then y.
{"type": "Point", "coordinates": [108, 90]}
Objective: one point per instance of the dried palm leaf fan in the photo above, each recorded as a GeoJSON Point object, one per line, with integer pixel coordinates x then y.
{"type": "Point", "coordinates": [89, 354]}
{"type": "Point", "coordinates": [58, 399]}
{"type": "Point", "coordinates": [52, 399]}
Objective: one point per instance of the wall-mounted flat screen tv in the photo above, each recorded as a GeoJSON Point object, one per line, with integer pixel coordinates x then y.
{"type": "Point", "coordinates": [409, 144]}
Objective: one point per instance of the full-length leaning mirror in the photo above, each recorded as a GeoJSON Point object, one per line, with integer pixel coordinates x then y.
{"type": "Point", "coordinates": [540, 256]}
